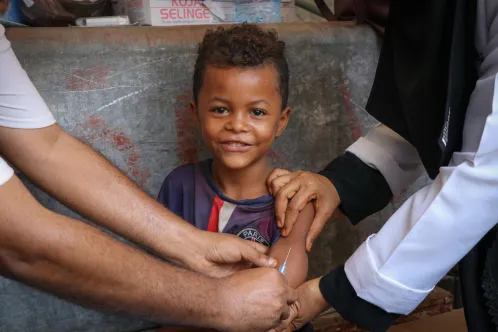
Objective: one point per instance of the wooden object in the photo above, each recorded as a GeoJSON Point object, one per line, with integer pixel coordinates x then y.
{"type": "Point", "coordinates": [453, 321]}
{"type": "Point", "coordinates": [437, 302]}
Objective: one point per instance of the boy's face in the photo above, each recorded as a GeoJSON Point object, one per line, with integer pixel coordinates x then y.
{"type": "Point", "coordinates": [240, 113]}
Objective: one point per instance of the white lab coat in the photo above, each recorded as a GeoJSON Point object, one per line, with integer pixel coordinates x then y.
{"type": "Point", "coordinates": [431, 232]}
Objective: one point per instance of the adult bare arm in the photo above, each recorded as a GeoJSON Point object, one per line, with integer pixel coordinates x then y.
{"type": "Point", "coordinates": [82, 264]}
{"type": "Point", "coordinates": [85, 181]}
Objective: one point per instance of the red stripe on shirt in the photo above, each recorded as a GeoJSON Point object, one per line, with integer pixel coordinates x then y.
{"type": "Point", "coordinates": [215, 214]}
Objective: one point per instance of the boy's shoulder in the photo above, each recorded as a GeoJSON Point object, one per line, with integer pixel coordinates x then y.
{"type": "Point", "coordinates": [181, 172]}
{"type": "Point", "coordinates": [178, 181]}
{"type": "Point", "coordinates": [183, 183]}
{"type": "Point", "coordinates": [186, 172]}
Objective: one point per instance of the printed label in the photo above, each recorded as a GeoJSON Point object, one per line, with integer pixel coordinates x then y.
{"type": "Point", "coordinates": [190, 12]}
{"type": "Point", "coordinates": [254, 235]}
{"type": "Point", "coordinates": [185, 12]}
{"type": "Point", "coordinates": [444, 137]}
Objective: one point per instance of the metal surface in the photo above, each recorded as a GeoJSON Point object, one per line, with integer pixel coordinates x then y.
{"type": "Point", "coordinates": [125, 91]}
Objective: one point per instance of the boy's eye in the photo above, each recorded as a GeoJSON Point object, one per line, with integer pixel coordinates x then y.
{"type": "Point", "coordinates": [220, 110]}
{"type": "Point", "coordinates": [258, 112]}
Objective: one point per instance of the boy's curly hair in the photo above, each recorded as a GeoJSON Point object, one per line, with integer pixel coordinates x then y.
{"type": "Point", "coordinates": [242, 46]}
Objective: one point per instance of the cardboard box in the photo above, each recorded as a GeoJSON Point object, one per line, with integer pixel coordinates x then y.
{"type": "Point", "coordinates": [177, 12]}
{"type": "Point", "coordinates": [185, 12]}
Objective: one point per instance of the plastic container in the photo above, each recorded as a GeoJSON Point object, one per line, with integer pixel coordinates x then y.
{"type": "Point", "coordinates": [46, 13]}
{"type": "Point", "coordinates": [257, 11]}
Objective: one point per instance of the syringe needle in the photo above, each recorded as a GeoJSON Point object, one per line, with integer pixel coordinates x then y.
{"type": "Point", "coordinates": [288, 253]}
{"type": "Point", "coordinates": [284, 266]}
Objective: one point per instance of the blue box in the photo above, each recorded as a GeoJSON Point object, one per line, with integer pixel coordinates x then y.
{"type": "Point", "coordinates": [13, 15]}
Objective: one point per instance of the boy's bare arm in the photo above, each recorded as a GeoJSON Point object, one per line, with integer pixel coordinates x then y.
{"type": "Point", "coordinates": [297, 263]}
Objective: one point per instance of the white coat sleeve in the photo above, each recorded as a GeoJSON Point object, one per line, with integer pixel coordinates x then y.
{"type": "Point", "coordinates": [397, 268]}
{"type": "Point", "coordinates": [394, 157]}
{"type": "Point", "coordinates": [20, 104]}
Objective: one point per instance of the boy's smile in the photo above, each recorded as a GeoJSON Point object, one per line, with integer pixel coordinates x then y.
{"type": "Point", "coordinates": [240, 114]}
{"type": "Point", "coordinates": [236, 146]}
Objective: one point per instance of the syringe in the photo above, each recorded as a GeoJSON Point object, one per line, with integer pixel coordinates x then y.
{"type": "Point", "coordinates": [283, 266]}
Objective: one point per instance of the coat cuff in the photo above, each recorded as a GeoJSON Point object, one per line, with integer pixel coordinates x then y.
{"type": "Point", "coordinates": [6, 172]}
{"type": "Point", "coordinates": [340, 294]}
{"type": "Point", "coordinates": [372, 286]}
{"type": "Point", "coordinates": [362, 189]}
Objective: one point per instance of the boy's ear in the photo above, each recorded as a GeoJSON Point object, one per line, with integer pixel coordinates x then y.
{"type": "Point", "coordinates": [193, 111]}
{"type": "Point", "coordinates": [282, 122]}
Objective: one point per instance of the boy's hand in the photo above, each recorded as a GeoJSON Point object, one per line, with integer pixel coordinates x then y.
{"type": "Point", "coordinates": [220, 255]}
{"type": "Point", "coordinates": [310, 303]}
{"type": "Point", "coordinates": [293, 191]}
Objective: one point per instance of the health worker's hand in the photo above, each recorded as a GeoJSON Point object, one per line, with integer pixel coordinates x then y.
{"type": "Point", "coordinates": [254, 300]}
{"type": "Point", "coordinates": [293, 191]}
{"type": "Point", "coordinates": [219, 255]}
{"type": "Point", "coordinates": [310, 303]}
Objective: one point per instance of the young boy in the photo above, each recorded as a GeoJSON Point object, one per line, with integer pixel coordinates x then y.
{"type": "Point", "coordinates": [240, 90]}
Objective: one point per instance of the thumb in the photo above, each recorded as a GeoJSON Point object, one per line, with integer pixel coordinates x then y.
{"type": "Point", "coordinates": [256, 255]}
{"type": "Point", "coordinates": [283, 326]}
{"type": "Point", "coordinates": [286, 325]}
{"type": "Point", "coordinates": [259, 247]}
{"type": "Point", "coordinates": [289, 328]}
{"type": "Point", "coordinates": [292, 325]}
{"type": "Point", "coordinates": [315, 229]}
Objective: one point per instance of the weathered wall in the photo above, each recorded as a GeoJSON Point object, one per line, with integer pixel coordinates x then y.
{"type": "Point", "coordinates": [125, 91]}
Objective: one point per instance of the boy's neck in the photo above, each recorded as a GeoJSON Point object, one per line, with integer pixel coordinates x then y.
{"type": "Point", "coordinates": [240, 184]}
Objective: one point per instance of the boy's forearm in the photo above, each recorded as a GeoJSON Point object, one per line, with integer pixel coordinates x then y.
{"type": "Point", "coordinates": [82, 264]}
{"type": "Point", "coordinates": [297, 263]}
{"type": "Point", "coordinates": [85, 181]}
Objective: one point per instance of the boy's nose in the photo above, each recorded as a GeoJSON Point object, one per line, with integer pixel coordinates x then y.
{"type": "Point", "coordinates": [238, 123]}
